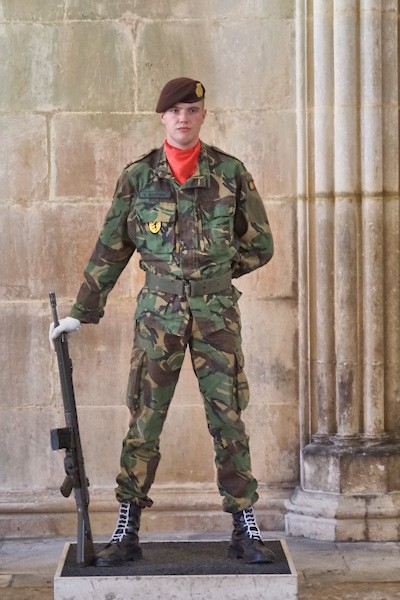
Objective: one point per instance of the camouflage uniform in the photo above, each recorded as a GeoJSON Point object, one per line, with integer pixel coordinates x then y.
{"type": "Point", "coordinates": [213, 224]}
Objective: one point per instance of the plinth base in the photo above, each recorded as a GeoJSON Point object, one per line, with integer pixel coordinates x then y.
{"type": "Point", "coordinates": [179, 571]}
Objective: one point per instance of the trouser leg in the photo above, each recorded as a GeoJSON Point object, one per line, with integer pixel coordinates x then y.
{"type": "Point", "coordinates": [155, 366]}
{"type": "Point", "coordinates": [218, 362]}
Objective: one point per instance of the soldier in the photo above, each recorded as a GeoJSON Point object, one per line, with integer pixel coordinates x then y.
{"type": "Point", "coordinates": [195, 216]}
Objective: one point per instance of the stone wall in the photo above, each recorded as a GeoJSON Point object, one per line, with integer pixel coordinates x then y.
{"type": "Point", "coordinates": [79, 81]}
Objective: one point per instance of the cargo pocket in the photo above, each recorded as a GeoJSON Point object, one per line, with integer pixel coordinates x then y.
{"type": "Point", "coordinates": [152, 227]}
{"type": "Point", "coordinates": [242, 386]}
{"type": "Point", "coordinates": [135, 382]}
{"type": "Point", "coordinates": [216, 225]}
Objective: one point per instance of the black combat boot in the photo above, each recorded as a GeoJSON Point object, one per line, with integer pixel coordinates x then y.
{"type": "Point", "coordinates": [124, 543]}
{"type": "Point", "coordinates": [246, 542]}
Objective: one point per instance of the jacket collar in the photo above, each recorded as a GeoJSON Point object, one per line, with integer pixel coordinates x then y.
{"type": "Point", "coordinates": [200, 179]}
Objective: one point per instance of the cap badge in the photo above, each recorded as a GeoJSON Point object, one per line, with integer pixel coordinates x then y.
{"type": "Point", "coordinates": [199, 90]}
{"type": "Point", "coordinates": [155, 226]}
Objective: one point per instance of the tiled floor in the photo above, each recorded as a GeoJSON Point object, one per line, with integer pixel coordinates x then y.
{"type": "Point", "coordinates": [326, 570]}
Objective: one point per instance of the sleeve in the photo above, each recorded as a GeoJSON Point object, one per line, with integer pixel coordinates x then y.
{"type": "Point", "coordinates": [255, 242]}
{"type": "Point", "coordinates": [109, 258]}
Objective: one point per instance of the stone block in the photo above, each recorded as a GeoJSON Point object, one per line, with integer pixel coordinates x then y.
{"type": "Point", "coordinates": [41, 524]}
{"type": "Point", "coordinates": [28, 462]}
{"type": "Point", "coordinates": [322, 472]}
{"type": "Point", "coordinates": [56, 242]}
{"type": "Point", "coordinates": [34, 10]}
{"type": "Point", "coordinates": [53, 74]}
{"type": "Point", "coordinates": [278, 278]}
{"type": "Point", "coordinates": [353, 470]}
{"type": "Point", "coordinates": [186, 447]}
{"type": "Point", "coordinates": [383, 530]}
{"type": "Point", "coordinates": [363, 474]}
{"type": "Point", "coordinates": [101, 356]}
{"type": "Point", "coordinates": [91, 10]}
{"type": "Point", "coordinates": [94, 84]}
{"type": "Point", "coordinates": [265, 47]}
{"type": "Point", "coordinates": [390, 166]}
{"type": "Point", "coordinates": [102, 429]}
{"type": "Point", "coordinates": [269, 350]}
{"type": "Point", "coordinates": [26, 359]}
{"type": "Point", "coordinates": [189, 10]}
{"type": "Point", "coordinates": [343, 517]}
{"type": "Point", "coordinates": [393, 473]}
{"type": "Point", "coordinates": [273, 430]}
{"type": "Point", "coordinates": [187, 391]}
{"type": "Point", "coordinates": [23, 157]}
{"type": "Point", "coordinates": [89, 151]}
{"type": "Point", "coordinates": [28, 66]}
{"type": "Point", "coordinates": [185, 520]}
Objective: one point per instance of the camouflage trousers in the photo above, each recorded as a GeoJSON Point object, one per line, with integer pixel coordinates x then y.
{"type": "Point", "coordinates": [217, 360]}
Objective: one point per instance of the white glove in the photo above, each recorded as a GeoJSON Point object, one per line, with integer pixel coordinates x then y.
{"type": "Point", "coordinates": [69, 324]}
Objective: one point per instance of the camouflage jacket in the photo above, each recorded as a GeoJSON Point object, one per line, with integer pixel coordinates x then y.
{"type": "Point", "coordinates": [213, 223]}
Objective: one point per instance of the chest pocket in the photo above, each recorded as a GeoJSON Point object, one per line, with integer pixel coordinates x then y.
{"type": "Point", "coordinates": [151, 226]}
{"type": "Point", "coordinates": [217, 221]}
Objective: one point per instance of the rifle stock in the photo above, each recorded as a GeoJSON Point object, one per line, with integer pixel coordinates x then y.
{"type": "Point", "coordinates": [68, 438]}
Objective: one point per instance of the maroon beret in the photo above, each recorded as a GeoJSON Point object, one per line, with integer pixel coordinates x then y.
{"type": "Point", "coordinates": [177, 90]}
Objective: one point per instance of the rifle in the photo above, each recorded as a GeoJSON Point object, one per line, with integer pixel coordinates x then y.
{"type": "Point", "coordinates": [68, 438]}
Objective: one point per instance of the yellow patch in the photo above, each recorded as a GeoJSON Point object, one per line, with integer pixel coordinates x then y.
{"type": "Point", "coordinates": [199, 90]}
{"type": "Point", "coordinates": [155, 226]}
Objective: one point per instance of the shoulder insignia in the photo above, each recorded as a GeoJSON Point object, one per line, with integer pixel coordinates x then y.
{"type": "Point", "coordinates": [250, 181]}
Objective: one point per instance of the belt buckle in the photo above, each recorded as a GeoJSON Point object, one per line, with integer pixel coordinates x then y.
{"type": "Point", "coordinates": [187, 287]}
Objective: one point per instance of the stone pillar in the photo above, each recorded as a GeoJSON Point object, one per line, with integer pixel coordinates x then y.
{"type": "Point", "coordinates": [350, 486]}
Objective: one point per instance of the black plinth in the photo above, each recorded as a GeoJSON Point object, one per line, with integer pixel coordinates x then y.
{"type": "Point", "coordinates": [180, 558]}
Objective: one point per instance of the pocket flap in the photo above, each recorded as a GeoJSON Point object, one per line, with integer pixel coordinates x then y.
{"type": "Point", "coordinates": [162, 212]}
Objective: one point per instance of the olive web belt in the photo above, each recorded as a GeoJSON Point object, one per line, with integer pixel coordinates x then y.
{"type": "Point", "coordinates": [188, 287]}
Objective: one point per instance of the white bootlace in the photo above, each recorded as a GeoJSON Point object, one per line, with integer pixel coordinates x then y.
{"type": "Point", "coordinates": [249, 518]}
{"type": "Point", "coordinates": [122, 524]}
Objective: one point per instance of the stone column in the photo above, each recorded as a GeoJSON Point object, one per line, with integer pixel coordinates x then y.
{"type": "Point", "coordinates": [350, 486]}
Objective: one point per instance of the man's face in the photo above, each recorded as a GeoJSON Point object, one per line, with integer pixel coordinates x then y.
{"type": "Point", "coordinates": [183, 122]}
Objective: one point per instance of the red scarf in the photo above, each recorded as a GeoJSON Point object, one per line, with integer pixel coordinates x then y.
{"type": "Point", "coordinates": [182, 162]}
